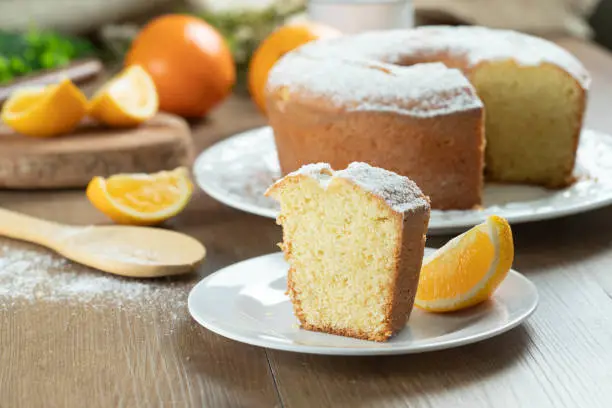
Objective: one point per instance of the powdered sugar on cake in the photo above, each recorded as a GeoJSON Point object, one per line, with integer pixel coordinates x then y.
{"type": "Point", "coordinates": [420, 90]}
{"type": "Point", "coordinates": [318, 171]}
{"type": "Point", "coordinates": [481, 44]}
{"type": "Point", "coordinates": [401, 193]}
{"type": "Point", "coordinates": [359, 73]}
{"type": "Point", "coordinates": [475, 44]}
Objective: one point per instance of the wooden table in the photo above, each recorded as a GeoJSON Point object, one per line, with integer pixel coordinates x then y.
{"type": "Point", "coordinates": [70, 353]}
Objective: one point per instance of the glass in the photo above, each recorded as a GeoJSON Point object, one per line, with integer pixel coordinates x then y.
{"type": "Point", "coordinates": [353, 16]}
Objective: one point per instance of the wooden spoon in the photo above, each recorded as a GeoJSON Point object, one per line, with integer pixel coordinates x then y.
{"type": "Point", "coordinates": [122, 250]}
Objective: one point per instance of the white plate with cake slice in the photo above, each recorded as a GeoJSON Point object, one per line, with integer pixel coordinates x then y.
{"type": "Point", "coordinates": [246, 302]}
{"type": "Point", "coordinates": [238, 170]}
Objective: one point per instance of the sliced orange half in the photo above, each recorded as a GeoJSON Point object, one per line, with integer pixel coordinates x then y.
{"type": "Point", "coordinates": [141, 199]}
{"type": "Point", "coordinates": [468, 269]}
{"type": "Point", "coordinates": [128, 99]}
{"type": "Point", "coordinates": [45, 111]}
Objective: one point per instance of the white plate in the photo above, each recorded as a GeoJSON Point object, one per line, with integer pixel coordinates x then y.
{"type": "Point", "coordinates": [237, 171]}
{"type": "Point", "coordinates": [246, 302]}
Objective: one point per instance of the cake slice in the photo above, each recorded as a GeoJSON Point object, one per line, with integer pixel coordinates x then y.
{"type": "Point", "coordinates": [354, 240]}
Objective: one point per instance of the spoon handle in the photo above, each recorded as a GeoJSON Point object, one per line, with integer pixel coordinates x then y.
{"type": "Point", "coordinates": [26, 228]}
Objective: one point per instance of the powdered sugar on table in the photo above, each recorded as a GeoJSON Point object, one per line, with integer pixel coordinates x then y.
{"type": "Point", "coordinates": [31, 275]}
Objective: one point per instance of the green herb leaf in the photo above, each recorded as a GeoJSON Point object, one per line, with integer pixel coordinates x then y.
{"type": "Point", "coordinates": [24, 53]}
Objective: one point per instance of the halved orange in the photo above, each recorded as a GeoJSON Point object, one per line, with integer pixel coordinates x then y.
{"type": "Point", "coordinates": [468, 269]}
{"type": "Point", "coordinates": [141, 199]}
{"type": "Point", "coordinates": [45, 111]}
{"type": "Point", "coordinates": [284, 39]}
{"type": "Point", "coordinates": [128, 99]}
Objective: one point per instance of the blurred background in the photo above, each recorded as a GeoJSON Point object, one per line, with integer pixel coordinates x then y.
{"type": "Point", "coordinates": [40, 35]}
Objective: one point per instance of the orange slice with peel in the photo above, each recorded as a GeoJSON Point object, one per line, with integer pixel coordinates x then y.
{"type": "Point", "coordinates": [141, 199]}
{"type": "Point", "coordinates": [128, 99]}
{"type": "Point", "coordinates": [468, 269]}
{"type": "Point", "coordinates": [45, 111]}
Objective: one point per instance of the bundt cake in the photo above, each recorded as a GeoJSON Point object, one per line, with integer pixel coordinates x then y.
{"type": "Point", "coordinates": [354, 240]}
{"type": "Point", "coordinates": [411, 101]}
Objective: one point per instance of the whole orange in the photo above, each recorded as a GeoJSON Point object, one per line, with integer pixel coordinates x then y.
{"type": "Point", "coordinates": [277, 44]}
{"type": "Point", "coordinates": [189, 61]}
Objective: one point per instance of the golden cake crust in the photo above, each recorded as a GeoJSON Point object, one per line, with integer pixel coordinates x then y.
{"type": "Point", "coordinates": [444, 157]}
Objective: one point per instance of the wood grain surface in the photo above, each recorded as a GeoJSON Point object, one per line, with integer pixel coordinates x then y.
{"type": "Point", "coordinates": [151, 353]}
{"type": "Point", "coordinates": [162, 143]}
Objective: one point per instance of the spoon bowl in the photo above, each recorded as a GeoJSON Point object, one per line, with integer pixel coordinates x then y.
{"type": "Point", "coordinates": [132, 251]}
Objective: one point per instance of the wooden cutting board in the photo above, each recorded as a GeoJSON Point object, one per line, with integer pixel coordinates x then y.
{"type": "Point", "coordinates": [163, 143]}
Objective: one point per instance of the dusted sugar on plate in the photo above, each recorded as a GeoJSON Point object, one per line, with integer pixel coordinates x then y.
{"type": "Point", "coordinates": [354, 240]}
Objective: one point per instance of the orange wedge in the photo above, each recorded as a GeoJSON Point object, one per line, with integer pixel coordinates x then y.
{"type": "Point", "coordinates": [128, 99]}
{"type": "Point", "coordinates": [45, 111]}
{"type": "Point", "coordinates": [141, 199]}
{"type": "Point", "coordinates": [468, 269]}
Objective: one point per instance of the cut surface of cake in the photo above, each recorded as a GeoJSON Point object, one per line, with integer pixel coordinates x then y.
{"type": "Point", "coordinates": [441, 105]}
{"type": "Point", "coordinates": [354, 240]}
